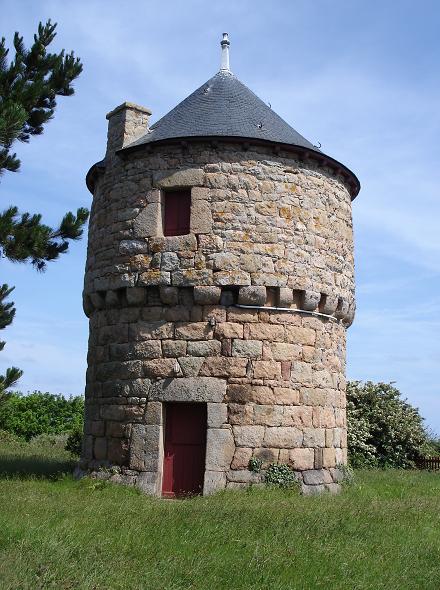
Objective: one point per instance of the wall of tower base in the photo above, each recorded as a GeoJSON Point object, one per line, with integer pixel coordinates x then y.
{"type": "Point", "coordinates": [310, 482]}
{"type": "Point", "coordinates": [272, 381]}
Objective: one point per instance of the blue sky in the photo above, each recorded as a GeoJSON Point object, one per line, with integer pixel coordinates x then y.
{"type": "Point", "coordinates": [360, 77]}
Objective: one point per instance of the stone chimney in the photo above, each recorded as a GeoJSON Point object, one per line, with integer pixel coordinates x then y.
{"type": "Point", "coordinates": [126, 123]}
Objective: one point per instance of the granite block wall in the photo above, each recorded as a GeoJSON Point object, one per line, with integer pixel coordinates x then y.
{"type": "Point", "coordinates": [247, 313]}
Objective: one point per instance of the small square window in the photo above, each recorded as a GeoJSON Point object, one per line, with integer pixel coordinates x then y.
{"type": "Point", "coordinates": [176, 213]}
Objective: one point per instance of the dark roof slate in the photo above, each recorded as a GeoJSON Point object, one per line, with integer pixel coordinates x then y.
{"type": "Point", "coordinates": [223, 107]}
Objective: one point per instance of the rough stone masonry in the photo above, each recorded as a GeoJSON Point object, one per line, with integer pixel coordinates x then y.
{"type": "Point", "coordinates": [246, 313]}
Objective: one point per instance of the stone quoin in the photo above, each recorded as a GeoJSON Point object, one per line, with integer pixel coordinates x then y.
{"type": "Point", "coordinates": [217, 328]}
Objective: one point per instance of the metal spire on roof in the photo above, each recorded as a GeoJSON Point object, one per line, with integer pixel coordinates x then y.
{"type": "Point", "coordinates": [225, 52]}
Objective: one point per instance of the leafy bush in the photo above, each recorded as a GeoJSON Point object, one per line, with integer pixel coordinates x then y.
{"type": "Point", "coordinates": [74, 441]}
{"type": "Point", "coordinates": [40, 413]}
{"type": "Point", "coordinates": [434, 445]}
{"type": "Point", "coordinates": [280, 475]}
{"type": "Point", "coordinates": [8, 438]}
{"type": "Point", "coordinates": [384, 430]}
{"type": "Point", "coordinates": [255, 464]}
{"type": "Point", "coordinates": [49, 440]}
{"type": "Point", "coordinates": [348, 475]}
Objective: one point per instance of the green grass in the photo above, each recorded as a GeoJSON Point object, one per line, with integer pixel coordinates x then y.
{"type": "Point", "coordinates": [381, 532]}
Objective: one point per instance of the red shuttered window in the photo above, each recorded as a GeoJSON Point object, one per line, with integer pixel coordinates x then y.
{"type": "Point", "coordinates": [177, 207]}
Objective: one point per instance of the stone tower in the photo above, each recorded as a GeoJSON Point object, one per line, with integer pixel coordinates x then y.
{"type": "Point", "coordinates": [219, 286]}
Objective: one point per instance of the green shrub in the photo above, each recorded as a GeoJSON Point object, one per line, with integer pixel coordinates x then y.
{"type": "Point", "coordinates": [49, 440]}
{"type": "Point", "coordinates": [255, 464]}
{"type": "Point", "coordinates": [348, 476]}
{"type": "Point", "coordinates": [384, 430]}
{"type": "Point", "coordinates": [74, 441]}
{"type": "Point", "coordinates": [8, 438]}
{"type": "Point", "coordinates": [40, 413]}
{"type": "Point", "coordinates": [280, 475]}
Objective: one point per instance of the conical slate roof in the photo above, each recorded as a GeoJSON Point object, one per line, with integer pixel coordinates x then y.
{"type": "Point", "coordinates": [223, 107]}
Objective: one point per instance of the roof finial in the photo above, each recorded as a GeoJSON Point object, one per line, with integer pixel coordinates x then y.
{"type": "Point", "coordinates": [225, 52]}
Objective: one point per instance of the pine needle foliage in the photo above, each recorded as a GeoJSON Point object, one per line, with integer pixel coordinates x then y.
{"type": "Point", "coordinates": [7, 313]}
{"type": "Point", "coordinates": [30, 84]}
{"type": "Point", "coordinates": [24, 238]}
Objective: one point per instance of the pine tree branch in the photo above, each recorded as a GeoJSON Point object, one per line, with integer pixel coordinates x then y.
{"type": "Point", "coordinates": [29, 86]}
{"type": "Point", "coordinates": [12, 375]}
{"type": "Point", "coordinates": [23, 238]}
{"type": "Point", "coordinates": [7, 310]}
{"type": "Point", "coordinates": [7, 313]}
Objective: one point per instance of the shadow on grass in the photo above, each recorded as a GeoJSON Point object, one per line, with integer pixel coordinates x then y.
{"type": "Point", "coordinates": [34, 467]}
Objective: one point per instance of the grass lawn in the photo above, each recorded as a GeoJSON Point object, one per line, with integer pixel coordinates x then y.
{"type": "Point", "coordinates": [381, 532]}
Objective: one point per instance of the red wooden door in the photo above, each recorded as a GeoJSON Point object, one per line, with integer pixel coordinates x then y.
{"type": "Point", "coordinates": [184, 453]}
